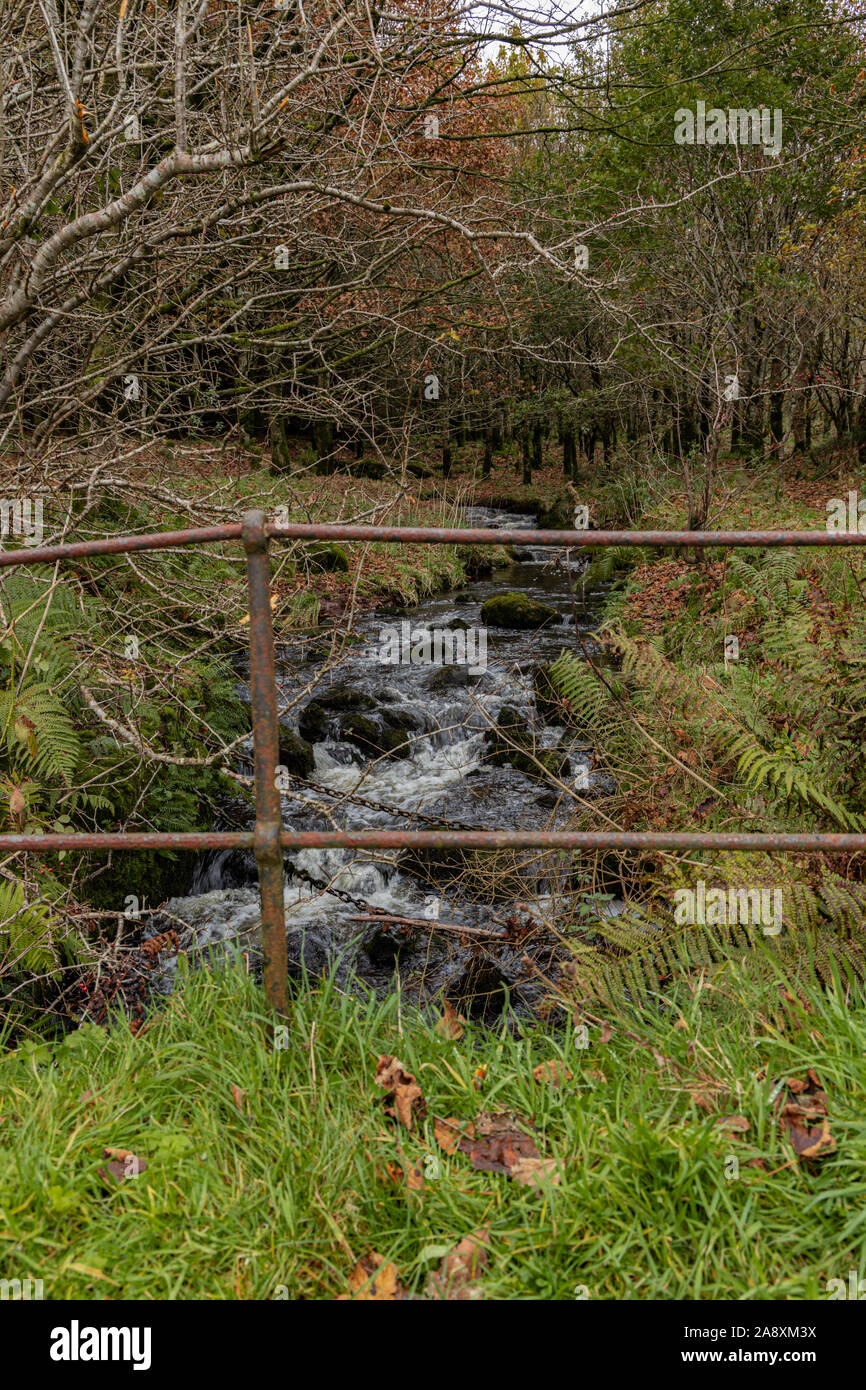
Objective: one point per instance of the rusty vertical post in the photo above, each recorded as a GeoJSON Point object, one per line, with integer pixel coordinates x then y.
{"type": "Point", "coordinates": [263, 699]}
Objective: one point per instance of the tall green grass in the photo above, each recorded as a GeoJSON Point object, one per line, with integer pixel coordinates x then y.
{"type": "Point", "coordinates": [278, 1187]}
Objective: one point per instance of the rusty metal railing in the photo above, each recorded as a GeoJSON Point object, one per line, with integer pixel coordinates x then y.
{"type": "Point", "coordinates": [268, 839]}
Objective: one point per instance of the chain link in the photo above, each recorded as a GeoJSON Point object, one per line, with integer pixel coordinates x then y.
{"type": "Point", "coordinates": [344, 897]}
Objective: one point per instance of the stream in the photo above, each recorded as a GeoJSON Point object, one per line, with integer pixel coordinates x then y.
{"type": "Point", "coordinates": [438, 716]}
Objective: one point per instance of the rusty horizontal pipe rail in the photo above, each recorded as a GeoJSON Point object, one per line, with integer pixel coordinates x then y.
{"type": "Point", "coordinates": [424, 535]}
{"type": "Point", "coordinates": [445, 839]}
{"type": "Point", "coordinates": [120, 545]}
{"type": "Point", "coordinates": [463, 535]}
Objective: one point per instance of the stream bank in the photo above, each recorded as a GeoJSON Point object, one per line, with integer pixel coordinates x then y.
{"type": "Point", "coordinates": [405, 733]}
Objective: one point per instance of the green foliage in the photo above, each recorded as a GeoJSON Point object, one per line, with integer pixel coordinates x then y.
{"type": "Point", "coordinates": [236, 1203]}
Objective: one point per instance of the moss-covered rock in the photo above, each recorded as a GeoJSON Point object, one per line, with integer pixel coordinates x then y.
{"type": "Point", "coordinates": [516, 610]}
{"type": "Point", "coordinates": [449, 678]}
{"type": "Point", "coordinates": [390, 734]}
{"type": "Point", "coordinates": [313, 723]}
{"type": "Point", "coordinates": [365, 732]}
{"type": "Point", "coordinates": [328, 557]}
{"type": "Point", "coordinates": [556, 516]}
{"type": "Point", "coordinates": [511, 745]}
{"type": "Point", "coordinates": [547, 699]}
{"type": "Point", "coordinates": [344, 697]}
{"type": "Point", "coordinates": [296, 754]}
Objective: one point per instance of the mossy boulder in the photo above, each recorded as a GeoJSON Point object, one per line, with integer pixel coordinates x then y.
{"type": "Point", "coordinates": [400, 725]}
{"type": "Point", "coordinates": [511, 745]}
{"type": "Point", "coordinates": [556, 516]}
{"type": "Point", "coordinates": [547, 698]}
{"type": "Point", "coordinates": [313, 723]}
{"type": "Point", "coordinates": [517, 610]}
{"type": "Point", "coordinates": [296, 754]}
{"type": "Point", "coordinates": [343, 697]}
{"type": "Point", "coordinates": [386, 736]}
{"type": "Point", "coordinates": [358, 728]}
{"type": "Point", "coordinates": [449, 678]}
{"type": "Point", "coordinates": [327, 557]}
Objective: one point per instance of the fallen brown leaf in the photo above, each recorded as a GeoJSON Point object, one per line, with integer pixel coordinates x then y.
{"type": "Point", "coordinates": [238, 1097]}
{"type": "Point", "coordinates": [503, 1146]}
{"type": "Point", "coordinates": [455, 1280]}
{"type": "Point", "coordinates": [803, 1114]}
{"type": "Point", "coordinates": [732, 1124]}
{"type": "Point", "coordinates": [401, 1084]}
{"type": "Point", "coordinates": [451, 1023]}
{"type": "Point", "coordinates": [449, 1132]}
{"type": "Point", "coordinates": [555, 1072]}
{"type": "Point", "coordinates": [374, 1281]}
{"type": "Point", "coordinates": [535, 1172]}
{"type": "Point", "coordinates": [123, 1164]}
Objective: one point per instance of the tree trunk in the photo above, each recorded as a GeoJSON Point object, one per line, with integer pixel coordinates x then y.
{"type": "Point", "coordinates": [569, 454]}
{"type": "Point", "coordinates": [527, 456]}
{"type": "Point", "coordinates": [537, 456]}
{"type": "Point", "coordinates": [281, 461]}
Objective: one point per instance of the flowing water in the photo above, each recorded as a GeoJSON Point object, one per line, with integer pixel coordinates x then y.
{"type": "Point", "coordinates": [443, 771]}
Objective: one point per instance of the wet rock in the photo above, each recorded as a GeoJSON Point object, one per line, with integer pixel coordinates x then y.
{"type": "Point", "coordinates": [313, 723]}
{"type": "Point", "coordinates": [344, 697]}
{"type": "Point", "coordinates": [388, 736]}
{"type": "Point", "coordinates": [327, 556]}
{"type": "Point", "coordinates": [516, 610]}
{"type": "Point", "coordinates": [403, 719]}
{"type": "Point", "coordinates": [511, 744]}
{"type": "Point", "coordinates": [296, 753]}
{"type": "Point", "coordinates": [363, 731]}
{"type": "Point", "coordinates": [449, 678]}
{"type": "Point", "coordinates": [557, 516]}
{"type": "Point", "coordinates": [547, 699]}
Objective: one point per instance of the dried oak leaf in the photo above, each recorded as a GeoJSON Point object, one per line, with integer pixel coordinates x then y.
{"type": "Point", "coordinates": [732, 1124]}
{"type": "Point", "coordinates": [413, 1177]}
{"type": "Point", "coordinates": [455, 1280]}
{"type": "Point", "coordinates": [374, 1281]}
{"type": "Point", "coordinates": [502, 1146]}
{"type": "Point", "coordinates": [450, 1025]}
{"type": "Point", "coordinates": [123, 1163]}
{"type": "Point", "coordinates": [449, 1132]}
{"type": "Point", "coordinates": [395, 1081]}
{"type": "Point", "coordinates": [555, 1072]}
{"type": "Point", "coordinates": [535, 1172]}
{"type": "Point", "coordinates": [804, 1116]}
